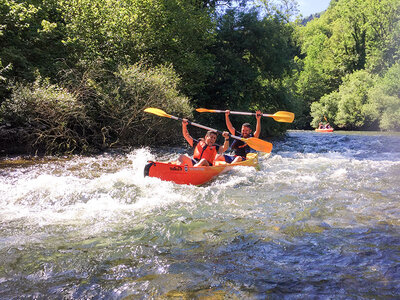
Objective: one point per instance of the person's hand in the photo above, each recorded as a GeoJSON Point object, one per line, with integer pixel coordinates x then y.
{"type": "Point", "coordinates": [225, 134]}
{"type": "Point", "coordinates": [184, 121]}
{"type": "Point", "coordinates": [258, 114]}
{"type": "Point", "coordinates": [227, 112]}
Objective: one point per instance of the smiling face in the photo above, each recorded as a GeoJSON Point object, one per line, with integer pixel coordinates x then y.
{"type": "Point", "coordinates": [246, 130]}
{"type": "Point", "coordinates": [210, 138]}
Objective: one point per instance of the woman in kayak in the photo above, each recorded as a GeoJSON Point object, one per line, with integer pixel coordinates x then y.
{"type": "Point", "coordinates": [239, 147]}
{"type": "Point", "coordinates": [205, 149]}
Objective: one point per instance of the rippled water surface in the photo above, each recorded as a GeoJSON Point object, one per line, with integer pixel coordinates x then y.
{"type": "Point", "coordinates": [319, 220]}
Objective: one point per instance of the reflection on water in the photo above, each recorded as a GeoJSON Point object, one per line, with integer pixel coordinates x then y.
{"type": "Point", "coordinates": [319, 220]}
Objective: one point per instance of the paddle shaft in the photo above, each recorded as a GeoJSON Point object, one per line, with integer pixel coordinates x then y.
{"type": "Point", "coordinates": [241, 113]}
{"type": "Point", "coordinates": [205, 127]}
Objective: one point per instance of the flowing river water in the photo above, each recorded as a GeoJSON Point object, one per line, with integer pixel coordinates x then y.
{"type": "Point", "coordinates": [320, 219]}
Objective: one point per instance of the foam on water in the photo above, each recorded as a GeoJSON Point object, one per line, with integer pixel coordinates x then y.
{"type": "Point", "coordinates": [46, 196]}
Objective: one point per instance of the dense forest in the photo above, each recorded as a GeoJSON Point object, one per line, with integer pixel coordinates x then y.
{"type": "Point", "coordinates": [76, 75]}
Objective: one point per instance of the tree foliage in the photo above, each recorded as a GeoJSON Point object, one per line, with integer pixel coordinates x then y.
{"type": "Point", "coordinates": [31, 39]}
{"type": "Point", "coordinates": [99, 114]}
{"type": "Point", "coordinates": [385, 99]}
{"type": "Point", "coordinates": [251, 55]}
{"type": "Point", "coordinates": [353, 98]}
{"type": "Point", "coordinates": [342, 52]}
{"type": "Point", "coordinates": [157, 31]}
{"type": "Point", "coordinates": [113, 57]}
{"type": "Point", "coordinates": [53, 119]}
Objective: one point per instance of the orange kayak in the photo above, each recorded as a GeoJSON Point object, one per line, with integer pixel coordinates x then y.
{"type": "Point", "coordinates": [324, 130]}
{"type": "Point", "coordinates": [183, 174]}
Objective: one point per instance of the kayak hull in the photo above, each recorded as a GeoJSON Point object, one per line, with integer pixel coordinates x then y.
{"type": "Point", "coordinates": [324, 130]}
{"type": "Point", "coordinates": [183, 174]}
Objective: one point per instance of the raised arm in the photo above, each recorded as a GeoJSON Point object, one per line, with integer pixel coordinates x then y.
{"type": "Point", "coordinates": [258, 126]}
{"type": "Point", "coordinates": [225, 147]}
{"type": "Point", "coordinates": [228, 123]}
{"type": "Point", "coordinates": [185, 132]}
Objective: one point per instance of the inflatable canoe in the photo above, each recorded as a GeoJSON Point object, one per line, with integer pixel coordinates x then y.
{"type": "Point", "coordinates": [324, 130]}
{"type": "Point", "coordinates": [183, 174]}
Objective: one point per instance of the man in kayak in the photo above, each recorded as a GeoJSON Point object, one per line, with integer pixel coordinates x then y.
{"type": "Point", "coordinates": [205, 149]}
{"type": "Point", "coordinates": [240, 148]}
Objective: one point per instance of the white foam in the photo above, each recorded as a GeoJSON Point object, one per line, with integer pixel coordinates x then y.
{"type": "Point", "coordinates": [339, 174]}
{"type": "Point", "coordinates": [46, 198]}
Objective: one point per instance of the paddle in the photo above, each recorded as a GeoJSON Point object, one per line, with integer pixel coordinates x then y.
{"type": "Point", "coordinates": [253, 142]}
{"type": "Point", "coordinates": [280, 116]}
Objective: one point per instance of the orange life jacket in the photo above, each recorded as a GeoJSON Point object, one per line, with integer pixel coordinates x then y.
{"type": "Point", "coordinates": [202, 150]}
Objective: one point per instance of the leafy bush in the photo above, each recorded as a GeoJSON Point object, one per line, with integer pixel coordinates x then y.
{"type": "Point", "coordinates": [117, 105]}
{"type": "Point", "coordinates": [353, 101]}
{"type": "Point", "coordinates": [385, 99]}
{"type": "Point", "coordinates": [325, 108]}
{"type": "Point", "coordinates": [350, 107]}
{"type": "Point", "coordinates": [52, 118]}
{"type": "Point", "coordinates": [104, 111]}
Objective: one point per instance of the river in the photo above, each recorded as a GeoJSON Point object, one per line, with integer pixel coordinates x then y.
{"type": "Point", "coordinates": [320, 219]}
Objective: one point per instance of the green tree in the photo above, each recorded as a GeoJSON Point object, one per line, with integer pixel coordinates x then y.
{"type": "Point", "coordinates": [385, 100]}
{"type": "Point", "coordinates": [30, 38]}
{"type": "Point", "coordinates": [350, 36]}
{"type": "Point", "coordinates": [118, 105]}
{"type": "Point", "coordinates": [314, 79]}
{"type": "Point", "coordinates": [50, 119]}
{"type": "Point", "coordinates": [383, 45]}
{"type": "Point", "coordinates": [332, 47]}
{"type": "Point", "coordinates": [156, 31]}
{"type": "Point", "coordinates": [353, 100]}
{"type": "Point", "coordinates": [251, 56]}
{"type": "Point", "coordinates": [325, 109]}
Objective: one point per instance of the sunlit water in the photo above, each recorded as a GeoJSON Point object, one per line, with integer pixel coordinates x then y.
{"type": "Point", "coordinates": [319, 220]}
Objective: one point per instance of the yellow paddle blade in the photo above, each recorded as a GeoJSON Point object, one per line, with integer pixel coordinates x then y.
{"type": "Point", "coordinates": [205, 110]}
{"type": "Point", "coordinates": [258, 144]}
{"type": "Point", "coordinates": [283, 116]}
{"type": "Point", "coordinates": [157, 111]}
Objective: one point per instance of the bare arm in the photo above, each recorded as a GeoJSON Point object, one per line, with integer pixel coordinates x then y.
{"type": "Point", "coordinates": [225, 147]}
{"type": "Point", "coordinates": [185, 132]}
{"type": "Point", "coordinates": [228, 122]}
{"type": "Point", "coordinates": [258, 126]}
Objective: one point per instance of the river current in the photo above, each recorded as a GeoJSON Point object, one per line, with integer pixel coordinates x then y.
{"type": "Point", "coordinates": [319, 220]}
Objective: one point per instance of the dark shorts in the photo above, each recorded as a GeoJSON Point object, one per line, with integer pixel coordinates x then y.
{"type": "Point", "coordinates": [195, 161]}
{"type": "Point", "coordinates": [229, 158]}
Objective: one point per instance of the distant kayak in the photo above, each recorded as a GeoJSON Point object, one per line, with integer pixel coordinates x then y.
{"type": "Point", "coordinates": [183, 174]}
{"type": "Point", "coordinates": [324, 130]}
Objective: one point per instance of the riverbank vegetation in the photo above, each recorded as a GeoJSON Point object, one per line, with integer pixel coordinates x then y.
{"type": "Point", "coordinates": [76, 75]}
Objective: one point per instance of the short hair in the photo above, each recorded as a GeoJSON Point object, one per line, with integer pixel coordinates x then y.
{"type": "Point", "coordinates": [246, 125]}
{"type": "Point", "coordinates": [211, 132]}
